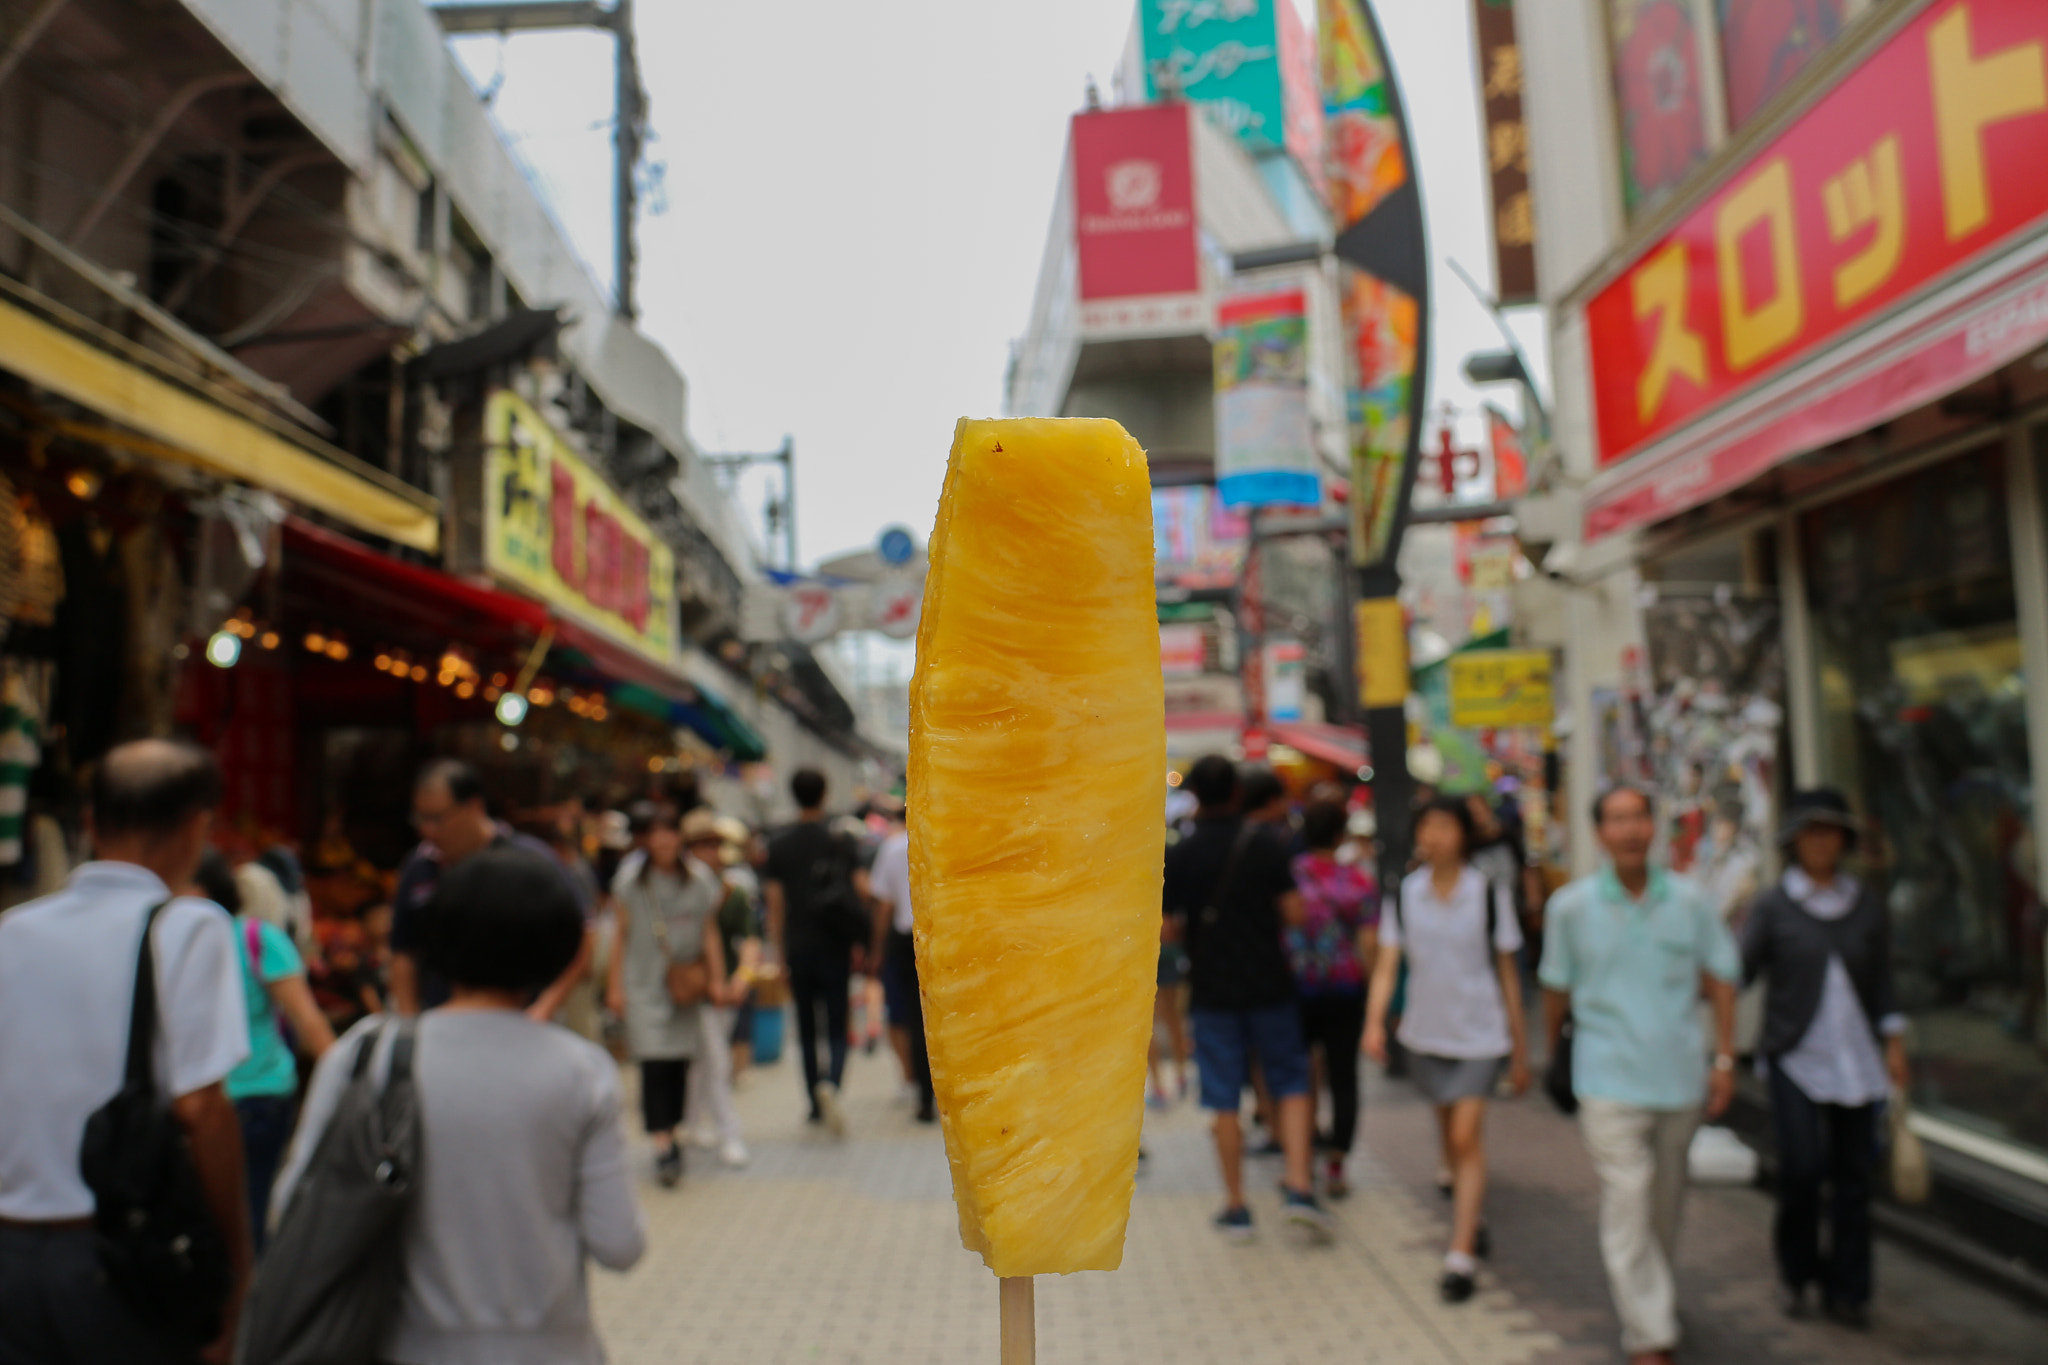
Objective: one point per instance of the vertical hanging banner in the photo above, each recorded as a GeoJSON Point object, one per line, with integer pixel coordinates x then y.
{"type": "Point", "coordinates": [1510, 460]}
{"type": "Point", "coordinates": [1134, 220]}
{"type": "Point", "coordinates": [1285, 663]}
{"type": "Point", "coordinates": [1507, 152]}
{"type": "Point", "coordinates": [1378, 204]}
{"type": "Point", "coordinates": [1265, 449]}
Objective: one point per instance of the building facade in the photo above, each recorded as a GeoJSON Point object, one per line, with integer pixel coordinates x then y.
{"type": "Point", "coordinates": [1796, 259]}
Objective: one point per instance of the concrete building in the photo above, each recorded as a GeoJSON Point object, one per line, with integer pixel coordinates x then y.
{"type": "Point", "coordinates": [1794, 268]}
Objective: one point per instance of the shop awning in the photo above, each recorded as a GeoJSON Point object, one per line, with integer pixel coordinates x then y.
{"type": "Point", "coordinates": [707, 717]}
{"type": "Point", "coordinates": [1336, 745]}
{"type": "Point", "coordinates": [184, 427]}
{"type": "Point", "coordinates": [1951, 339]}
{"type": "Point", "coordinates": [331, 573]}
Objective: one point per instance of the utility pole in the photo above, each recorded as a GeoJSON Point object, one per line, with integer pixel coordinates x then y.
{"type": "Point", "coordinates": [629, 104]}
{"type": "Point", "coordinates": [781, 515]}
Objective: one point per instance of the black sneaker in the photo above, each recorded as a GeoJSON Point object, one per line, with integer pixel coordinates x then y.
{"type": "Point", "coordinates": [668, 1167]}
{"type": "Point", "coordinates": [1455, 1286]}
{"type": "Point", "coordinates": [1482, 1242]}
{"type": "Point", "coordinates": [1854, 1316]}
{"type": "Point", "coordinates": [1792, 1302]}
{"type": "Point", "coordinates": [1236, 1224]}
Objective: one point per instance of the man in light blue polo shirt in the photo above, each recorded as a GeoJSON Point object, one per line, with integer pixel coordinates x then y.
{"type": "Point", "coordinates": [1628, 953]}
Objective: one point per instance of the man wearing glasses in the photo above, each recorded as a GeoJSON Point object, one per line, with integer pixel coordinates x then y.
{"type": "Point", "coordinates": [454, 824]}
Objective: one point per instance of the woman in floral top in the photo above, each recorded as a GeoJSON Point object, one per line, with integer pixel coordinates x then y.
{"type": "Point", "coordinates": [1332, 952]}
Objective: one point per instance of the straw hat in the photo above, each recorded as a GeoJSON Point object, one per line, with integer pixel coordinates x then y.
{"type": "Point", "coordinates": [700, 826]}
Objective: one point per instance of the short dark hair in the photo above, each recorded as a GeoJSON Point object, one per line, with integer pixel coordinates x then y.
{"type": "Point", "coordinates": [807, 787]}
{"type": "Point", "coordinates": [1258, 787]}
{"type": "Point", "coordinates": [152, 787]}
{"type": "Point", "coordinates": [1323, 824]}
{"type": "Point", "coordinates": [504, 919]}
{"type": "Point", "coordinates": [1600, 799]}
{"type": "Point", "coordinates": [1457, 809]}
{"type": "Point", "coordinates": [217, 880]}
{"type": "Point", "coordinates": [1213, 780]}
{"type": "Point", "coordinates": [463, 782]}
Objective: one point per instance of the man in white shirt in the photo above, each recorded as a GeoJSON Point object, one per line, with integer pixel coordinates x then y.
{"type": "Point", "coordinates": [67, 981]}
{"type": "Point", "coordinates": [889, 890]}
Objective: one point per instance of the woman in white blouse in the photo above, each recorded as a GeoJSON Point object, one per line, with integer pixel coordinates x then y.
{"type": "Point", "coordinates": [1464, 1020]}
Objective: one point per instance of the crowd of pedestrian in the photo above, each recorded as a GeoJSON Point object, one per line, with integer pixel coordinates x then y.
{"type": "Point", "coordinates": [1296, 963]}
{"type": "Point", "coordinates": [477, 1062]}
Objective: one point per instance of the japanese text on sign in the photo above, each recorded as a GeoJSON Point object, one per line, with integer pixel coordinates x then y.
{"type": "Point", "coordinates": [1500, 689]}
{"type": "Point", "coordinates": [1924, 156]}
{"type": "Point", "coordinates": [555, 528]}
{"type": "Point", "coordinates": [1507, 151]}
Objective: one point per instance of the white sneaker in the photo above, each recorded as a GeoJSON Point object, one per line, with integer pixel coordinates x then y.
{"type": "Point", "coordinates": [827, 1096]}
{"type": "Point", "coordinates": [733, 1153]}
{"type": "Point", "coordinates": [707, 1138]}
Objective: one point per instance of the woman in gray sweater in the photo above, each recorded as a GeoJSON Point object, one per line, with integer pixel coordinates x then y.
{"type": "Point", "coordinates": [523, 1175]}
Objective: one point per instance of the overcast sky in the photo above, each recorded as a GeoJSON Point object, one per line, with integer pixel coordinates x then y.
{"type": "Point", "coordinates": [855, 205]}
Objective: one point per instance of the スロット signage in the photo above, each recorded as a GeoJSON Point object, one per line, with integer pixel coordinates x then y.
{"type": "Point", "coordinates": [1926, 155]}
{"type": "Point", "coordinates": [1501, 689]}
{"type": "Point", "coordinates": [1134, 220]}
{"type": "Point", "coordinates": [1265, 446]}
{"type": "Point", "coordinates": [554, 528]}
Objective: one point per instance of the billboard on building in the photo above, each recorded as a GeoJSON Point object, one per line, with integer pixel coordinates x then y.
{"type": "Point", "coordinates": [1765, 44]}
{"type": "Point", "coordinates": [1265, 444]}
{"type": "Point", "coordinates": [1134, 220]}
{"type": "Point", "coordinates": [555, 528]}
{"type": "Point", "coordinates": [1657, 96]}
{"type": "Point", "coordinates": [1225, 54]}
{"type": "Point", "coordinates": [1924, 157]}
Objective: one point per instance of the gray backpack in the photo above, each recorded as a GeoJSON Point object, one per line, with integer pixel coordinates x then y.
{"type": "Point", "coordinates": [328, 1287]}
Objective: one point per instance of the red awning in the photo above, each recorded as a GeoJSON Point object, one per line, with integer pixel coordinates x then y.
{"type": "Point", "coordinates": [331, 578]}
{"type": "Point", "coordinates": [1337, 745]}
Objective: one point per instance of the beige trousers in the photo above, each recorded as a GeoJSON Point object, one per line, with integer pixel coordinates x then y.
{"type": "Point", "coordinates": [1640, 1155]}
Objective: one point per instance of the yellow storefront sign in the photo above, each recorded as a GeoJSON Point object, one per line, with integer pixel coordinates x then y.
{"type": "Point", "coordinates": [554, 528]}
{"type": "Point", "coordinates": [1501, 689]}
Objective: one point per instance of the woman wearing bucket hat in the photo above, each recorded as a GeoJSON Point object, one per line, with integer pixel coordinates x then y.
{"type": "Point", "coordinates": [1834, 1045]}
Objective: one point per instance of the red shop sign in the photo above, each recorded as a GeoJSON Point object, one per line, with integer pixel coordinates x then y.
{"type": "Point", "coordinates": [1134, 203]}
{"type": "Point", "coordinates": [1928, 153]}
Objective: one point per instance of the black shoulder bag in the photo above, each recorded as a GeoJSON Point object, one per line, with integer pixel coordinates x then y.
{"type": "Point", "coordinates": [330, 1281]}
{"type": "Point", "coordinates": [152, 1228]}
{"type": "Point", "coordinates": [1211, 910]}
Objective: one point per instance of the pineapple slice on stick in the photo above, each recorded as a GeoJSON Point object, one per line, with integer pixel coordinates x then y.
{"type": "Point", "coordinates": [1037, 763]}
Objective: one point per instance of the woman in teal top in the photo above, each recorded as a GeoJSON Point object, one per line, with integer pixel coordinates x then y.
{"type": "Point", "coordinates": [265, 1087]}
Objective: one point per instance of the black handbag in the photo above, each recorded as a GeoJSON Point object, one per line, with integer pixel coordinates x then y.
{"type": "Point", "coordinates": [330, 1280]}
{"type": "Point", "coordinates": [153, 1232]}
{"type": "Point", "coordinates": [1557, 1077]}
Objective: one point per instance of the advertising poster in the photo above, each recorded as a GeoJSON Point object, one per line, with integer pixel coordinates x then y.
{"type": "Point", "coordinates": [1709, 732]}
{"type": "Point", "coordinates": [1510, 461]}
{"type": "Point", "coordinates": [1181, 651]}
{"type": "Point", "coordinates": [1366, 161]}
{"type": "Point", "coordinates": [1221, 53]}
{"type": "Point", "coordinates": [1134, 218]}
{"type": "Point", "coordinates": [556, 529]}
{"type": "Point", "coordinates": [1501, 689]}
{"type": "Point", "coordinates": [1766, 43]}
{"type": "Point", "coordinates": [1657, 94]}
{"type": "Point", "coordinates": [1197, 542]}
{"type": "Point", "coordinates": [1265, 447]}
{"type": "Point", "coordinates": [1382, 324]}
{"type": "Point", "coordinates": [1285, 662]}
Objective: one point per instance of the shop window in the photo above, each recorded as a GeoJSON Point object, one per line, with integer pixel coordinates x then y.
{"type": "Point", "coordinates": [1660, 102]}
{"type": "Point", "coordinates": [1765, 44]}
{"type": "Point", "coordinates": [1923, 724]}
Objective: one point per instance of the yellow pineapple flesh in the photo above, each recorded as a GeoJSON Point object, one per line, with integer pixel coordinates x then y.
{"type": "Point", "coordinates": [1037, 833]}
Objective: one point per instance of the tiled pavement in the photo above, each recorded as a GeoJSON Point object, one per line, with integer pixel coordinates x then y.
{"type": "Point", "coordinates": [848, 1253]}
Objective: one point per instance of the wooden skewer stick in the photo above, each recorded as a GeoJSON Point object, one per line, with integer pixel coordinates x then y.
{"type": "Point", "coordinates": [1020, 1321]}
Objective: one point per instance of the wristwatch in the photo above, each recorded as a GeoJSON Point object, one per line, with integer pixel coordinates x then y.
{"type": "Point", "coordinates": [1723, 1062]}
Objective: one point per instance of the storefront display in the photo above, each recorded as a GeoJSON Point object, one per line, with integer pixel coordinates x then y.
{"type": "Point", "coordinates": [1924, 721]}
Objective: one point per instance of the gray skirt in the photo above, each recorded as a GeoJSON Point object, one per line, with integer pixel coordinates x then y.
{"type": "Point", "coordinates": [1446, 1080]}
